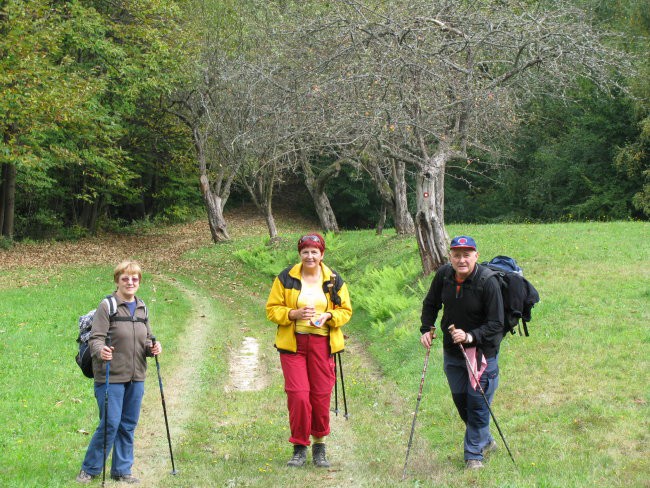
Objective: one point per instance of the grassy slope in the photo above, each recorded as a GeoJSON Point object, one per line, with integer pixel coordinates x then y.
{"type": "Point", "coordinates": [573, 401]}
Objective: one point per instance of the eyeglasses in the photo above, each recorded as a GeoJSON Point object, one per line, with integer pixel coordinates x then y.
{"type": "Point", "coordinates": [126, 279]}
{"type": "Point", "coordinates": [310, 238]}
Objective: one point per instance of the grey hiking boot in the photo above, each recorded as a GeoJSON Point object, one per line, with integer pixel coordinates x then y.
{"type": "Point", "coordinates": [491, 447]}
{"type": "Point", "coordinates": [318, 456]}
{"type": "Point", "coordinates": [299, 456]}
{"type": "Point", "coordinates": [125, 478]}
{"type": "Point", "coordinates": [84, 477]}
{"type": "Point", "coordinates": [473, 464]}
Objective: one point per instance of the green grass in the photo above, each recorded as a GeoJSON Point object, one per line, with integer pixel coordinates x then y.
{"type": "Point", "coordinates": [573, 399]}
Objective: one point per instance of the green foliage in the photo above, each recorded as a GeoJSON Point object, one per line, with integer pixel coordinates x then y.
{"type": "Point", "coordinates": [6, 243]}
{"type": "Point", "coordinates": [81, 116]}
{"type": "Point", "coordinates": [634, 159]}
{"type": "Point", "coordinates": [563, 166]}
{"type": "Point", "coordinates": [354, 200]}
{"type": "Point", "coordinates": [383, 292]}
{"type": "Point", "coordinates": [271, 258]}
{"type": "Point", "coordinates": [265, 260]}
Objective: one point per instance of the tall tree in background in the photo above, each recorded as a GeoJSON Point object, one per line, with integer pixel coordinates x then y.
{"type": "Point", "coordinates": [433, 82]}
{"type": "Point", "coordinates": [633, 157]}
{"type": "Point", "coordinates": [39, 93]}
{"type": "Point", "coordinates": [79, 80]}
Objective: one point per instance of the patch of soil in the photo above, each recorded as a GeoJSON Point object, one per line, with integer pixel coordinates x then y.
{"type": "Point", "coordinates": [245, 371]}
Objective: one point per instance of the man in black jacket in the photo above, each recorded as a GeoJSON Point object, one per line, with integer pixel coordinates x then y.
{"type": "Point", "coordinates": [473, 304]}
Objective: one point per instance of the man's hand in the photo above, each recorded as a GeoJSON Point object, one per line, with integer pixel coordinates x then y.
{"type": "Point", "coordinates": [427, 338]}
{"type": "Point", "coordinates": [459, 336]}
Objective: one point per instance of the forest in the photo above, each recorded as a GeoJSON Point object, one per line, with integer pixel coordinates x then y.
{"type": "Point", "coordinates": [366, 113]}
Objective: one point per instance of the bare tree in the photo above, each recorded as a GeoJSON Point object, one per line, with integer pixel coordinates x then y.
{"type": "Point", "coordinates": [390, 180]}
{"type": "Point", "coordinates": [316, 183]}
{"type": "Point", "coordinates": [210, 122]}
{"type": "Point", "coordinates": [433, 82]}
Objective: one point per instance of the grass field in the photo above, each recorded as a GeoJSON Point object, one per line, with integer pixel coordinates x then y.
{"type": "Point", "coordinates": [573, 399]}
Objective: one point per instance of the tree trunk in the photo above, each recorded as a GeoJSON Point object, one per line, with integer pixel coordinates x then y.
{"type": "Point", "coordinates": [321, 202]}
{"type": "Point", "coordinates": [382, 220]}
{"type": "Point", "coordinates": [84, 216]}
{"type": "Point", "coordinates": [3, 178]}
{"type": "Point", "coordinates": [214, 209]}
{"type": "Point", "coordinates": [393, 194]}
{"type": "Point", "coordinates": [213, 202]}
{"type": "Point", "coordinates": [261, 192]}
{"type": "Point", "coordinates": [431, 234]}
{"type": "Point", "coordinates": [404, 224]}
{"type": "Point", "coordinates": [267, 196]}
{"type": "Point", "coordinates": [270, 223]}
{"type": "Point", "coordinates": [9, 186]}
{"type": "Point", "coordinates": [325, 213]}
{"type": "Point", "coordinates": [94, 213]}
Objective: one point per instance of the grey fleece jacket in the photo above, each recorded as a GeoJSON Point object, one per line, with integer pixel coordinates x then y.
{"type": "Point", "coordinates": [131, 340]}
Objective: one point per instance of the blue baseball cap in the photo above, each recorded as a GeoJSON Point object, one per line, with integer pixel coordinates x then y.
{"type": "Point", "coordinates": [460, 242]}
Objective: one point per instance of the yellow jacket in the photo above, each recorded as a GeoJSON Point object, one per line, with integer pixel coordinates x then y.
{"type": "Point", "coordinates": [284, 297]}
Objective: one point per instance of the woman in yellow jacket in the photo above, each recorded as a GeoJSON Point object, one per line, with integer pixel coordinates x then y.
{"type": "Point", "coordinates": [310, 303]}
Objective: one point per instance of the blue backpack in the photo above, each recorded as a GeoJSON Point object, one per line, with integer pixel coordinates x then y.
{"type": "Point", "coordinates": [519, 295]}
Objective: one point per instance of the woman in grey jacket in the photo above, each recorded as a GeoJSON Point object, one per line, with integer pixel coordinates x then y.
{"type": "Point", "coordinates": [124, 339]}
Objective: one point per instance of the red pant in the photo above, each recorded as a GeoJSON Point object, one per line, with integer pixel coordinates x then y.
{"type": "Point", "coordinates": [308, 381]}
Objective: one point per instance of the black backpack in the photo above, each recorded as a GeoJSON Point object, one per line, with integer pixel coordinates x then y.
{"type": "Point", "coordinates": [519, 295]}
{"type": "Point", "coordinates": [83, 358]}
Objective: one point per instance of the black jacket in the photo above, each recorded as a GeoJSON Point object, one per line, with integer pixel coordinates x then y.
{"type": "Point", "coordinates": [477, 308]}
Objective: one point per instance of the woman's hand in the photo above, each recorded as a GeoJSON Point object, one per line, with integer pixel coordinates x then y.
{"type": "Point", "coordinates": [324, 317]}
{"type": "Point", "coordinates": [107, 353]}
{"type": "Point", "coordinates": [156, 348]}
{"type": "Point", "coordinates": [304, 313]}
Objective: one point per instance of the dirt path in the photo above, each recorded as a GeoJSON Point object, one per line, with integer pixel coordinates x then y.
{"type": "Point", "coordinates": [152, 449]}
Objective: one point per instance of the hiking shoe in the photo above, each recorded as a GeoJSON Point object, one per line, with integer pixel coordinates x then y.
{"type": "Point", "coordinates": [473, 464]}
{"type": "Point", "coordinates": [318, 456]}
{"type": "Point", "coordinates": [299, 456]}
{"type": "Point", "coordinates": [491, 447]}
{"type": "Point", "coordinates": [125, 478]}
{"type": "Point", "coordinates": [84, 477]}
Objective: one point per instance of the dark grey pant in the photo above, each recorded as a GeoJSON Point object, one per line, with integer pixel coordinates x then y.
{"type": "Point", "coordinates": [470, 403]}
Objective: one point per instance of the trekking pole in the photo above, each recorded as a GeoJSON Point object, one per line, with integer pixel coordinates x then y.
{"type": "Point", "coordinates": [108, 368]}
{"type": "Point", "coordinates": [336, 390]}
{"type": "Point", "coordinates": [417, 405]}
{"type": "Point", "coordinates": [478, 383]}
{"type": "Point", "coordinates": [162, 396]}
{"type": "Point", "coordinates": [345, 403]}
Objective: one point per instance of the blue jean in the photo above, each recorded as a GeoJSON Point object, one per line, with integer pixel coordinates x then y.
{"type": "Point", "coordinates": [471, 404]}
{"type": "Point", "coordinates": [124, 400]}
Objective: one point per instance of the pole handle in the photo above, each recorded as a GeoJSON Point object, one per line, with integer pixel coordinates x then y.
{"type": "Point", "coordinates": [451, 328]}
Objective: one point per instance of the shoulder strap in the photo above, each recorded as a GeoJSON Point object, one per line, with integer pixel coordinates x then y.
{"type": "Point", "coordinates": [112, 304]}
{"type": "Point", "coordinates": [112, 312]}
{"type": "Point", "coordinates": [486, 273]}
{"type": "Point", "coordinates": [446, 270]}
